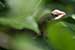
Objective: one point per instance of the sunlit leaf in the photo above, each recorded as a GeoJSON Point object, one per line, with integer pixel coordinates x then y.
{"type": "Point", "coordinates": [60, 36]}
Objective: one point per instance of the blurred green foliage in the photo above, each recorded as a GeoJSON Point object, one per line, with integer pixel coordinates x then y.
{"type": "Point", "coordinates": [26, 14]}
{"type": "Point", "coordinates": [60, 35]}
{"type": "Point", "coordinates": [27, 41]}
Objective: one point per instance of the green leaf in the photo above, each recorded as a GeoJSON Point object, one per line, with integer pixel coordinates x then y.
{"type": "Point", "coordinates": [73, 16]}
{"type": "Point", "coordinates": [26, 41]}
{"type": "Point", "coordinates": [60, 36]}
{"type": "Point", "coordinates": [21, 14]}
{"type": "Point", "coordinates": [70, 22]}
